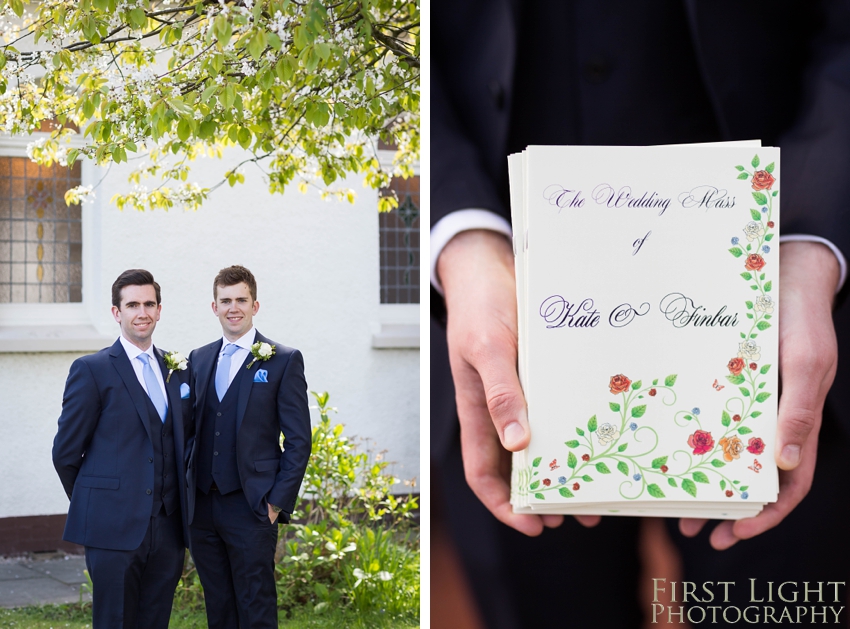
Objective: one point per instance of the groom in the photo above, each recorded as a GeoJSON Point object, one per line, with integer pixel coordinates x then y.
{"type": "Point", "coordinates": [119, 454]}
{"type": "Point", "coordinates": [250, 389]}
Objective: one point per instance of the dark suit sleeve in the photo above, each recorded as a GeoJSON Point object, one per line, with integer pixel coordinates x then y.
{"type": "Point", "coordinates": [81, 409]}
{"type": "Point", "coordinates": [294, 419]}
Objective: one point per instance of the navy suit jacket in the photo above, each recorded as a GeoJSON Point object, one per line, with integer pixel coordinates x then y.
{"type": "Point", "coordinates": [103, 450]}
{"type": "Point", "coordinates": [263, 411]}
{"type": "Point", "coordinates": [777, 72]}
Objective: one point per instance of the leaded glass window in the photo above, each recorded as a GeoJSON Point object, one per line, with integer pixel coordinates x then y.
{"type": "Point", "coordinates": [400, 245]}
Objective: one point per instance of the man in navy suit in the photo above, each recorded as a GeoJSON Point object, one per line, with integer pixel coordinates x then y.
{"type": "Point", "coordinates": [119, 454]}
{"type": "Point", "coordinates": [250, 389]}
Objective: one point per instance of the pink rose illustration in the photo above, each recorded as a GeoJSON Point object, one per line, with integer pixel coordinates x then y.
{"type": "Point", "coordinates": [701, 441]}
{"type": "Point", "coordinates": [755, 445]}
{"type": "Point", "coordinates": [736, 366]}
{"type": "Point", "coordinates": [619, 384]}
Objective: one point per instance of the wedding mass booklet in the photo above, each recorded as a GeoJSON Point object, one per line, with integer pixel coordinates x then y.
{"type": "Point", "coordinates": [647, 291]}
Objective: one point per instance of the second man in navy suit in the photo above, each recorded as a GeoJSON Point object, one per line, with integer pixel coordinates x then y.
{"type": "Point", "coordinates": [249, 390]}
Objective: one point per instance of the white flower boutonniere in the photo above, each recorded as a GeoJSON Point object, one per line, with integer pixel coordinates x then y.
{"type": "Point", "coordinates": [261, 351]}
{"type": "Point", "coordinates": [175, 361]}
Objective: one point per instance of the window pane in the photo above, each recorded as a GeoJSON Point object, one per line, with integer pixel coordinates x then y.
{"type": "Point", "coordinates": [40, 237]}
{"type": "Point", "coordinates": [399, 251]}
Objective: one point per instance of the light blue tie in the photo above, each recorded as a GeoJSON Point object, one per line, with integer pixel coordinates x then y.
{"type": "Point", "coordinates": [154, 392]}
{"type": "Point", "coordinates": [222, 373]}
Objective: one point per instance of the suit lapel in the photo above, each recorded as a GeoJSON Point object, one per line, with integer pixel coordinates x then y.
{"type": "Point", "coordinates": [122, 365]}
{"type": "Point", "coordinates": [203, 367]}
{"type": "Point", "coordinates": [246, 384]}
{"type": "Point", "coordinates": [172, 389]}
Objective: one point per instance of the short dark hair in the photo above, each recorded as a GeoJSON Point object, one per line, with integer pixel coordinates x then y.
{"type": "Point", "coordinates": [133, 277]}
{"type": "Point", "coordinates": [233, 275]}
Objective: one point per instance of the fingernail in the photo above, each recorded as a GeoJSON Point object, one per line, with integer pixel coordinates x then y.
{"type": "Point", "coordinates": [514, 434]}
{"type": "Point", "coordinates": [790, 456]}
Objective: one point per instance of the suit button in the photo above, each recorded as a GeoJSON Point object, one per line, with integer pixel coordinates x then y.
{"type": "Point", "coordinates": [215, 453]}
{"type": "Point", "coordinates": [148, 492]}
{"type": "Point", "coordinates": [217, 433]}
{"type": "Point", "coordinates": [165, 475]}
{"type": "Point", "coordinates": [165, 456]}
{"type": "Point", "coordinates": [597, 70]}
{"type": "Point", "coordinates": [218, 414]}
{"type": "Point", "coordinates": [150, 460]}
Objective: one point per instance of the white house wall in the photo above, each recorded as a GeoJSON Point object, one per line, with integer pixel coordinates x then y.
{"type": "Point", "coordinates": [316, 264]}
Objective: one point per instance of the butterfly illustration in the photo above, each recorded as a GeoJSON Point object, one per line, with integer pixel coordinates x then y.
{"type": "Point", "coordinates": [554, 465]}
{"type": "Point", "coordinates": [718, 387]}
{"type": "Point", "coordinates": [756, 466]}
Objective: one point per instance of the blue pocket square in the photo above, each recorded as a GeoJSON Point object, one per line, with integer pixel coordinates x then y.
{"type": "Point", "coordinates": [261, 376]}
{"type": "Point", "coordinates": [184, 391]}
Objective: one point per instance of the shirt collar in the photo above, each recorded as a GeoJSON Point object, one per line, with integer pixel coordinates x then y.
{"type": "Point", "coordinates": [245, 341]}
{"type": "Point", "coordinates": [133, 351]}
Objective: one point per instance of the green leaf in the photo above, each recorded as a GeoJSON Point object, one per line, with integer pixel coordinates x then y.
{"type": "Point", "coordinates": [671, 482]}
{"type": "Point", "coordinates": [744, 391]}
{"type": "Point", "coordinates": [760, 198]}
{"type": "Point", "coordinates": [184, 129]}
{"type": "Point", "coordinates": [138, 18]}
{"type": "Point", "coordinates": [717, 463]}
{"type": "Point", "coordinates": [768, 286]}
{"type": "Point", "coordinates": [726, 420]}
{"type": "Point", "coordinates": [669, 381]}
{"type": "Point", "coordinates": [769, 167]}
{"type": "Point", "coordinates": [566, 493]}
{"type": "Point", "coordinates": [614, 407]}
{"type": "Point", "coordinates": [756, 214]}
{"type": "Point", "coordinates": [775, 192]}
{"type": "Point", "coordinates": [749, 305]}
{"type": "Point", "coordinates": [655, 491]}
{"type": "Point", "coordinates": [580, 432]}
{"type": "Point", "coordinates": [638, 411]}
{"type": "Point", "coordinates": [587, 479]}
{"type": "Point", "coordinates": [761, 397]}
{"type": "Point", "coordinates": [591, 424]}
{"type": "Point", "coordinates": [654, 382]}
{"type": "Point", "coordinates": [689, 486]}
{"type": "Point", "coordinates": [534, 485]}
{"type": "Point", "coordinates": [623, 468]}
{"type": "Point", "coordinates": [762, 325]}
{"type": "Point", "coordinates": [657, 463]}
{"type": "Point", "coordinates": [540, 496]}
{"type": "Point", "coordinates": [688, 417]}
{"type": "Point", "coordinates": [536, 462]}
{"type": "Point", "coordinates": [623, 447]}
{"type": "Point", "coordinates": [764, 369]}
{"type": "Point", "coordinates": [602, 468]}
{"type": "Point", "coordinates": [571, 460]}
{"type": "Point", "coordinates": [636, 385]}
{"type": "Point", "coordinates": [755, 162]}
{"type": "Point", "coordinates": [743, 430]}
{"type": "Point", "coordinates": [700, 477]}
{"type": "Point", "coordinates": [722, 485]}
{"type": "Point", "coordinates": [739, 168]}
{"type": "Point", "coordinates": [769, 237]}
{"type": "Point", "coordinates": [755, 414]}
{"type": "Point", "coordinates": [244, 136]}
{"type": "Point", "coordinates": [743, 487]}
{"type": "Point", "coordinates": [736, 251]}
{"type": "Point", "coordinates": [743, 175]}
{"type": "Point", "coordinates": [572, 444]}
{"type": "Point", "coordinates": [739, 379]}
{"type": "Point", "coordinates": [746, 275]}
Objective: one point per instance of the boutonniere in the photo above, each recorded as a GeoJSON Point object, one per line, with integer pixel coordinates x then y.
{"type": "Point", "coordinates": [261, 351]}
{"type": "Point", "coordinates": [175, 361]}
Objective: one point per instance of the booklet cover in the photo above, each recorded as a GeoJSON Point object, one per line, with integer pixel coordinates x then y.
{"type": "Point", "coordinates": [647, 287]}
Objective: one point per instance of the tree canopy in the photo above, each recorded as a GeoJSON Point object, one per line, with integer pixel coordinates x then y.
{"type": "Point", "coordinates": [307, 88]}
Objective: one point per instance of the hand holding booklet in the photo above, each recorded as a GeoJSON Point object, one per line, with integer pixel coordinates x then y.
{"type": "Point", "coordinates": [647, 293]}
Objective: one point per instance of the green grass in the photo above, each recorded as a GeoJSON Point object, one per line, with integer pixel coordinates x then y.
{"type": "Point", "coordinates": [76, 617]}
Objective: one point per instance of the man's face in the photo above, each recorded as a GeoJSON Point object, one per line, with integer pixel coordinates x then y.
{"type": "Point", "coordinates": [235, 309]}
{"type": "Point", "coordinates": [138, 314]}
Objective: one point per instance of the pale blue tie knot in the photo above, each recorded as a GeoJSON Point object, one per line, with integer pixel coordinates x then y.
{"type": "Point", "coordinates": [222, 373]}
{"type": "Point", "coordinates": [152, 384]}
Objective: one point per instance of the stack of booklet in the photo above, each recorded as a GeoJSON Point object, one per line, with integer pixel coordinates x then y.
{"type": "Point", "coordinates": [647, 290]}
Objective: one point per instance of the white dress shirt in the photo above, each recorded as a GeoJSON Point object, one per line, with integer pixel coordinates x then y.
{"type": "Point", "coordinates": [237, 359]}
{"type": "Point", "coordinates": [138, 366]}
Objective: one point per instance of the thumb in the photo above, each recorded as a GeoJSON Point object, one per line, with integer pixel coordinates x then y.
{"type": "Point", "coordinates": [799, 413]}
{"type": "Point", "coordinates": [505, 400]}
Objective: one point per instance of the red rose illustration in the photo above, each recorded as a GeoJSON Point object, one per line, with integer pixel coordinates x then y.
{"type": "Point", "coordinates": [771, 224]}
{"type": "Point", "coordinates": [728, 493]}
{"type": "Point", "coordinates": [753, 366]}
{"type": "Point", "coordinates": [652, 392]}
{"type": "Point", "coordinates": [754, 262]}
{"type": "Point", "coordinates": [736, 418]}
{"type": "Point", "coordinates": [585, 457]}
{"type": "Point", "coordinates": [547, 482]}
{"type": "Point", "coordinates": [735, 366]}
{"type": "Point", "coordinates": [619, 384]}
{"type": "Point", "coordinates": [756, 446]}
{"type": "Point", "coordinates": [762, 180]}
{"type": "Point", "coordinates": [701, 441]}
{"type": "Point", "coordinates": [576, 486]}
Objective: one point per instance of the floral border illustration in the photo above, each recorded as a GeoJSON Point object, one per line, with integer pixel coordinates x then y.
{"type": "Point", "coordinates": [629, 447]}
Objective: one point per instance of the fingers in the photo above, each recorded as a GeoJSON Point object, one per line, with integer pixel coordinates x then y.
{"type": "Point", "coordinates": [690, 527]}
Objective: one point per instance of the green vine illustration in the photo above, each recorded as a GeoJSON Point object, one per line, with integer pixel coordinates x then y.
{"type": "Point", "coordinates": [707, 458]}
